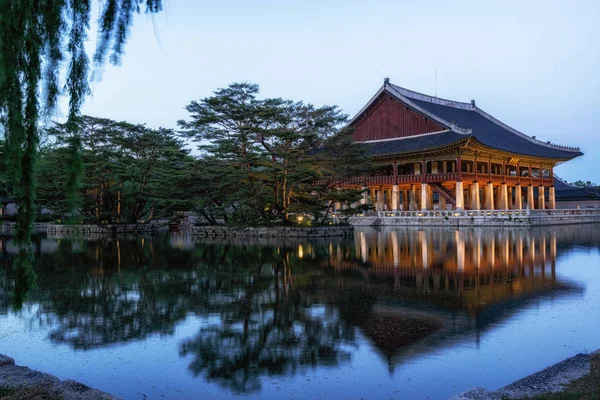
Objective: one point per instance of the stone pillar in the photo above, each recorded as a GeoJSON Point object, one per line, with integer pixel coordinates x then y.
{"type": "Point", "coordinates": [489, 196]}
{"type": "Point", "coordinates": [380, 199]}
{"type": "Point", "coordinates": [424, 196]}
{"type": "Point", "coordinates": [413, 198]}
{"type": "Point", "coordinates": [365, 195]}
{"type": "Point", "coordinates": [551, 198]}
{"type": "Point", "coordinates": [395, 198]}
{"type": "Point", "coordinates": [503, 197]}
{"type": "Point", "coordinates": [530, 204]}
{"type": "Point", "coordinates": [541, 197]}
{"type": "Point", "coordinates": [405, 202]}
{"type": "Point", "coordinates": [518, 197]}
{"type": "Point", "coordinates": [460, 196]}
{"type": "Point", "coordinates": [474, 191]}
{"type": "Point", "coordinates": [509, 193]}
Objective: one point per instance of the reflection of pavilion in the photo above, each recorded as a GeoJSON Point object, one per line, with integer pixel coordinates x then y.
{"type": "Point", "coordinates": [436, 285]}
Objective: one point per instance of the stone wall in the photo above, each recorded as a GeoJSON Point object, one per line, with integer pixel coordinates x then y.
{"type": "Point", "coordinates": [99, 230]}
{"type": "Point", "coordinates": [275, 231]}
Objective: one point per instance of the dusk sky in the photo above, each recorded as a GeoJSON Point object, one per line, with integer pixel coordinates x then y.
{"type": "Point", "coordinates": [532, 64]}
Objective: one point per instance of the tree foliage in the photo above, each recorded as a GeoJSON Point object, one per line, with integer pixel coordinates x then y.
{"type": "Point", "coordinates": [276, 153]}
{"type": "Point", "coordinates": [36, 38]}
{"type": "Point", "coordinates": [129, 170]}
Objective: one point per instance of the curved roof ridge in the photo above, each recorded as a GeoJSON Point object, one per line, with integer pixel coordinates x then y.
{"type": "Point", "coordinates": [411, 94]}
{"type": "Point", "coordinates": [524, 136]}
{"type": "Point", "coordinates": [472, 107]}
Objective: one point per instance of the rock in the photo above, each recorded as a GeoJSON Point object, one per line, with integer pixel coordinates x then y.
{"type": "Point", "coordinates": [6, 360]}
{"type": "Point", "coordinates": [477, 393]}
{"type": "Point", "coordinates": [13, 376]}
{"type": "Point", "coordinates": [551, 379]}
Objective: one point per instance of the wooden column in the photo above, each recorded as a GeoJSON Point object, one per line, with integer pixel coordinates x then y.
{"type": "Point", "coordinates": [380, 199]}
{"type": "Point", "coordinates": [551, 198]}
{"type": "Point", "coordinates": [395, 198]}
{"type": "Point", "coordinates": [489, 197]}
{"type": "Point", "coordinates": [424, 195]}
{"type": "Point", "coordinates": [541, 197]}
{"type": "Point", "coordinates": [474, 191]}
{"type": "Point", "coordinates": [413, 198]}
{"type": "Point", "coordinates": [530, 203]}
{"type": "Point", "coordinates": [460, 196]}
{"type": "Point", "coordinates": [503, 197]}
{"type": "Point", "coordinates": [429, 197]}
{"type": "Point", "coordinates": [405, 203]}
{"type": "Point", "coordinates": [518, 197]}
{"type": "Point", "coordinates": [459, 168]}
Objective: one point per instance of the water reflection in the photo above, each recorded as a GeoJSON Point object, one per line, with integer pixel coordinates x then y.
{"type": "Point", "coordinates": [436, 286]}
{"type": "Point", "coordinates": [271, 307]}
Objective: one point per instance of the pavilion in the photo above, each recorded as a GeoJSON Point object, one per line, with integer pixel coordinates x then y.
{"type": "Point", "coordinates": [433, 153]}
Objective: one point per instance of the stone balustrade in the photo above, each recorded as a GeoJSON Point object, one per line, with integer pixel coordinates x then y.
{"type": "Point", "coordinates": [480, 217]}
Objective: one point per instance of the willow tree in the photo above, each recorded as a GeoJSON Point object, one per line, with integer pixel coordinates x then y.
{"type": "Point", "coordinates": [38, 38]}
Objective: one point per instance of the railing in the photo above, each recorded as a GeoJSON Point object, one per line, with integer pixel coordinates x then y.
{"type": "Point", "coordinates": [448, 177]}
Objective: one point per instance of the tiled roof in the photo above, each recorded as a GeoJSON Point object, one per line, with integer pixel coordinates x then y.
{"type": "Point", "coordinates": [413, 144]}
{"type": "Point", "coordinates": [468, 119]}
{"type": "Point", "coordinates": [565, 191]}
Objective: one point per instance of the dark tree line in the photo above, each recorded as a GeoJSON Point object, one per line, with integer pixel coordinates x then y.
{"type": "Point", "coordinates": [261, 161]}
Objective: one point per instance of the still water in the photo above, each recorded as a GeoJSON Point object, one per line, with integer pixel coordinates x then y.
{"type": "Point", "coordinates": [391, 314]}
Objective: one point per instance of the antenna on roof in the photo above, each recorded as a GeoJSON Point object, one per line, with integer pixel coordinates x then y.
{"type": "Point", "coordinates": [435, 84]}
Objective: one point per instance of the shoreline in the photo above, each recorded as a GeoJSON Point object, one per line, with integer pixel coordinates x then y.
{"type": "Point", "coordinates": [550, 380]}
{"type": "Point", "coordinates": [19, 378]}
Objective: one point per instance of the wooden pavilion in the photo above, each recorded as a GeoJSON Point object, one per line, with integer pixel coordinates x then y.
{"type": "Point", "coordinates": [433, 153]}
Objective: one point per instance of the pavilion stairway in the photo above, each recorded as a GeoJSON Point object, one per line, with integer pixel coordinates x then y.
{"type": "Point", "coordinates": [447, 194]}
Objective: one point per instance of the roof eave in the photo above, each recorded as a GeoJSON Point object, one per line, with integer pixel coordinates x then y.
{"type": "Point", "coordinates": [448, 146]}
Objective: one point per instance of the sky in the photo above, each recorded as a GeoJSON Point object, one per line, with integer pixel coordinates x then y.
{"type": "Point", "coordinates": [532, 64]}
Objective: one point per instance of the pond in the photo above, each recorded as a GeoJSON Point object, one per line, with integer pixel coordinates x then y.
{"type": "Point", "coordinates": [395, 314]}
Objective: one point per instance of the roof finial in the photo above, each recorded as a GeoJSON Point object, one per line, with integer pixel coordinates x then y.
{"type": "Point", "coordinates": [473, 103]}
{"type": "Point", "coordinates": [386, 81]}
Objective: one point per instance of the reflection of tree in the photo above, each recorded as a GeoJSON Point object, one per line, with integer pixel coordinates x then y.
{"type": "Point", "coordinates": [266, 326]}
{"type": "Point", "coordinates": [127, 295]}
{"type": "Point", "coordinates": [19, 275]}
